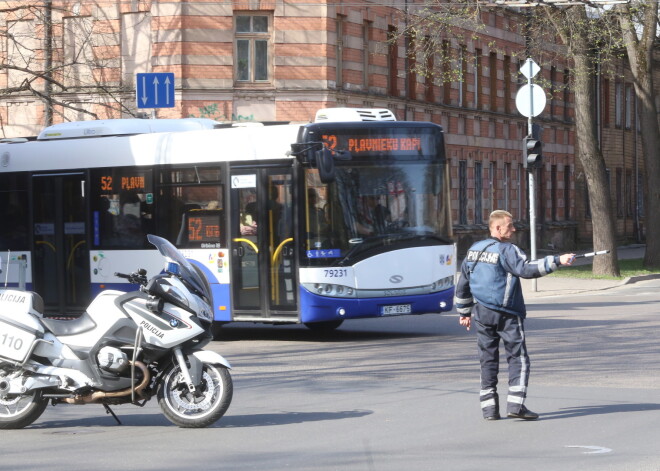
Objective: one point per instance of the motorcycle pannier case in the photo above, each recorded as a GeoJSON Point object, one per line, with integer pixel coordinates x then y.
{"type": "Point", "coordinates": [19, 328]}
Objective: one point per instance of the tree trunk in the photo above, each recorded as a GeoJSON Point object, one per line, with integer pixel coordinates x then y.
{"type": "Point", "coordinates": [640, 56]}
{"type": "Point", "coordinates": [592, 160]}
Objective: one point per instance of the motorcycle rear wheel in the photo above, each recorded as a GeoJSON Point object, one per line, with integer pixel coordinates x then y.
{"type": "Point", "coordinates": [199, 409]}
{"type": "Point", "coordinates": [20, 411]}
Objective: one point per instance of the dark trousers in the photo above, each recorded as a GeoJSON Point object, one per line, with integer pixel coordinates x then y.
{"type": "Point", "coordinates": [491, 327]}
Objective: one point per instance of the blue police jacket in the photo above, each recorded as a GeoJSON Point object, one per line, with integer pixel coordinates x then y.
{"type": "Point", "coordinates": [490, 275]}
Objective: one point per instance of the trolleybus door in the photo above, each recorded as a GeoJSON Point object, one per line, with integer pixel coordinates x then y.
{"type": "Point", "coordinates": [263, 272]}
{"type": "Point", "coordinates": [60, 262]}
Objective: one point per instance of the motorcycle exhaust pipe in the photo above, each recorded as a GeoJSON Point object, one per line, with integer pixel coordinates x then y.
{"type": "Point", "coordinates": [97, 396]}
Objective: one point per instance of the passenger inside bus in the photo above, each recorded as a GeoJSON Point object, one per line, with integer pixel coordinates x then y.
{"type": "Point", "coordinates": [249, 217]}
{"type": "Point", "coordinates": [374, 217]}
{"type": "Point", "coordinates": [128, 226]}
{"type": "Point", "coordinates": [317, 220]}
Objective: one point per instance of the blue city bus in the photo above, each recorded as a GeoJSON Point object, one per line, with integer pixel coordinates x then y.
{"type": "Point", "coordinates": [344, 218]}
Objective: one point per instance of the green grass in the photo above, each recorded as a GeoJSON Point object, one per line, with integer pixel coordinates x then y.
{"type": "Point", "coordinates": [628, 268]}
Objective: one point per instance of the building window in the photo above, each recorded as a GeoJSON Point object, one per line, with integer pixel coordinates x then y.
{"type": "Point", "coordinates": [492, 66]}
{"type": "Point", "coordinates": [507, 186]}
{"type": "Point", "coordinates": [446, 72]}
{"type": "Point", "coordinates": [462, 81]}
{"type": "Point", "coordinates": [366, 28]}
{"type": "Point", "coordinates": [339, 52]}
{"type": "Point", "coordinates": [618, 104]}
{"type": "Point", "coordinates": [462, 192]}
{"type": "Point", "coordinates": [429, 86]}
{"type": "Point", "coordinates": [492, 179]}
{"type": "Point", "coordinates": [477, 77]}
{"type": "Point", "coordinates": [540, 194]}
{"type": "Point", "coordinates": [252, 48]}
{"type": "Point", "coordinates": [478, 193]}
{"type": "Point", "coordinates": [567, 193]}
{"type": "Point", "coordinates": [629, 105]}
{"type": "Point", "coordinates": [507, 84]}
{"type": "Point", "coordinates": [566, 95]}
{"type": "Point", "coordinates": [393, 60]}
{"type": "Point", "coordinates": [619, 192]}
{"type": "Point", "coordinates": [554, 192]}
{"type": "Point", "coordinates": [553, 81]}
{"type": "Point", "coordinates": [606, 103]}
{"type": "Point", "coordinates": [629, 193]}
{"type": "Point", "coordinates": [411, 59]}
{"type": "Point", "coordinates": [522, 193]}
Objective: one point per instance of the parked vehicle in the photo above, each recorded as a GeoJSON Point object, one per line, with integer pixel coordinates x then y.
{"type": "Point", "coordinates": [125, 348]}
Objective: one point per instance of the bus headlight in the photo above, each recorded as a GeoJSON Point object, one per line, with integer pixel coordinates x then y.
{"type": "Point", "coordinates": [442, 284]}
{"type": "Point", "coordinates": [330, 290]}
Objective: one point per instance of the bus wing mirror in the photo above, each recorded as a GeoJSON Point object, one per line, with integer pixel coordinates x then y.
{"type": "Point", "coordinates": [325, 164]}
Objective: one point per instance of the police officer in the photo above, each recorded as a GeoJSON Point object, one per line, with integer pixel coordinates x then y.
{"type": "Point", "coordinates": [489, 287]}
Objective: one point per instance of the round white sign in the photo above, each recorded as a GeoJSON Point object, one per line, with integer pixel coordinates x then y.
{"type": "Point", "coordinates": [530, 100]}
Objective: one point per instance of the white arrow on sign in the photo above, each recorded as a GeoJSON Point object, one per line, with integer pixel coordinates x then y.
{"type": "Point", "coordinates": [144, 90]}
{"type": "Point", "coordinates": [530, 100]}
{"type": "Point", "coordinates": [155, 82]}
{"type": "Point", "coordinates": [167, 89]}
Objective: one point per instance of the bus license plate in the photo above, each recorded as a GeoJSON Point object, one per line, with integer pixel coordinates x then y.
{"type": "Point", "coordinates": [396, 309]}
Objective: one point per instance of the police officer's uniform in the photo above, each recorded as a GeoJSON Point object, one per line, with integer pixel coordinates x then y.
{"type": "Point", "coordinates": [490, 282]}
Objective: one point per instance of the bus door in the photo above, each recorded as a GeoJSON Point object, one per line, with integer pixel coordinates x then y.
{"type": "Point", "coordinates": [60, 261]}
{"type": "Point", "coordinates": [264, 285]}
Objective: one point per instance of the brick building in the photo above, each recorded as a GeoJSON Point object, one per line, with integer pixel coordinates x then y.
{"type": "Point", "coordinates": [274, 60]}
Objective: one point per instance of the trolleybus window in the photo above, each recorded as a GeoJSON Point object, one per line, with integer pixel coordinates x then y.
{"type": "Point", "coordinates": [190, 207]}
{"type": "Point", "coordinates": [391, 190]}
{"type": "Point", "coordinates": [122, 207]}
{"type": "Point", "coordinates": [14, 212]}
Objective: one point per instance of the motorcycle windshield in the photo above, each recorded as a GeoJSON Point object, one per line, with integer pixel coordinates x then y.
{"type": "Point", "coordinates": [188, 272]}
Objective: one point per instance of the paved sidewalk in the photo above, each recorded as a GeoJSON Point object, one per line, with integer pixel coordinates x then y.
{"type": "Point", "coordinates": [557, 286]}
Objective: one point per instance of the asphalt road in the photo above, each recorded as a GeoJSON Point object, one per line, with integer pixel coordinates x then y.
{"type": "Point", "coordinates": [395, 394]}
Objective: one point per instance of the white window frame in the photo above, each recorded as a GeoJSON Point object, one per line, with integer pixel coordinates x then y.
{"type": "Point", "coordinates": [253, 39]}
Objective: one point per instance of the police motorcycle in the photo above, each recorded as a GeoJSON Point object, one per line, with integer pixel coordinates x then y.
{"type": "Point", "coordinates": [126, 348]}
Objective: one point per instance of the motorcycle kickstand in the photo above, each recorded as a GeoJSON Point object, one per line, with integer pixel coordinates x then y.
{"type": "Point", "coordinates": [109, 411]}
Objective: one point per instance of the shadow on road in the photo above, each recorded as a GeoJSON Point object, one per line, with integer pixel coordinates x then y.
{"type": "Point", "coordinates": [599, 410]}
{"type": "Point", "coordinates": [286, 418]}
{"type": "Point", "coordinates": [99, 424]}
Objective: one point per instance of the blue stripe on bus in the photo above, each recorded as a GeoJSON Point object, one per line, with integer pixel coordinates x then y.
{"type": "Point", "coordinates": [221, 295]}
{"type": "Point", "coordinates": [315, 308]}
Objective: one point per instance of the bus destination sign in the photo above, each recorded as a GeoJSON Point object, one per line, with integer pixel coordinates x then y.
{"type": "Point", "coordinates": [390, 144]}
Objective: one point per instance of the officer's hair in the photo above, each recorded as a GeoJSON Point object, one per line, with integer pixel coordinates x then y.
{"type": "Point", "coordinates": [497, 216]}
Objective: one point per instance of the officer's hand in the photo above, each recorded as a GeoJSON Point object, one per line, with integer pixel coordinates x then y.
{"type": "Point", "coordinates": [567, 258]}
{"type": "Point", "coordinates": [465, 321]}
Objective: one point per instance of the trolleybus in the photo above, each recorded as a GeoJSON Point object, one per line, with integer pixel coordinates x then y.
{"type": "Point", "coordinates": [343, 218]}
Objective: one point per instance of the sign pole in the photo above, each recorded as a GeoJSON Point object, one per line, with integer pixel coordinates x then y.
{"type": "Point", "coordinates": [532, 187]}
{"type": "Point", "coordinates": [531, 101]}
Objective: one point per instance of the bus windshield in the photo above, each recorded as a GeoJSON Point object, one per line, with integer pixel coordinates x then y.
{"type": "Point", "coordinates": [371, 207]}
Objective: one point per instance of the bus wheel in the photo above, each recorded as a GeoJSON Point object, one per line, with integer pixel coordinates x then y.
{"type": "Point", "coordinates": [326, 326]}
{"type": "Point", "coordinates": [216, 328]}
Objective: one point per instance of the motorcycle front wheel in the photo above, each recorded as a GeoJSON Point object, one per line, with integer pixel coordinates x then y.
{"type": "Point", "coordinates": [200, 408]}
{"type": "Point", "coordinates": [20, 411]}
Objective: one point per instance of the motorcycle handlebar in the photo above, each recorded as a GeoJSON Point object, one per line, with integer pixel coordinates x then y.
{"type": "Point", "coordinates": [139, 277]}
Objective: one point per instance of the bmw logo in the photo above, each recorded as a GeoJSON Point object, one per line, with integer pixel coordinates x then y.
{"type": "Point", "coordinates": [174, 322]}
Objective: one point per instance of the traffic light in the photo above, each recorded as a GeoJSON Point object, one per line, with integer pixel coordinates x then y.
{"type": "Point", "coordinates": [532, 150]}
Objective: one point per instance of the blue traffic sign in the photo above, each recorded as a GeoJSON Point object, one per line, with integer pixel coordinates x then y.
{"type": "Point", "coordinates": [155, 90]}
